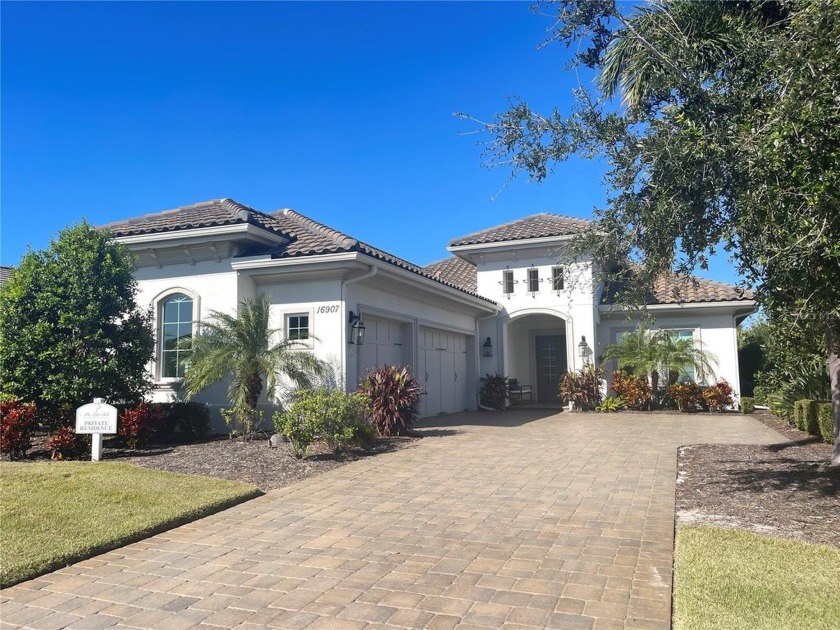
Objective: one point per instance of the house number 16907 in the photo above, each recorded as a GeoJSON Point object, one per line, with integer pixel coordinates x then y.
{"type": "Point", "coordinates": [327, 309]}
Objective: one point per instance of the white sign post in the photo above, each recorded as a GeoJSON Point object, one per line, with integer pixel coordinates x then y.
{"type": "Point", "coordinates": [95, 419]}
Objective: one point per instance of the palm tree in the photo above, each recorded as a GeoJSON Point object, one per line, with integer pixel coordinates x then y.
{"type": "Point", "coordinates": [644, 353]}
{"type": "Point", "coordinates": [245, 348]}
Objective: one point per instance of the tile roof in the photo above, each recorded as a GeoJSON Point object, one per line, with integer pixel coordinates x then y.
{"type": "Point", "coordinates": [306, 237]}
{"type": "Point", "coordinates": [456, 270]}
{"type": "Point", "coordinates": [535, 226]}
{"type": "Point", "coordinates": [672, 288]}
{"type": "Point", "coordinates": [205, 214]}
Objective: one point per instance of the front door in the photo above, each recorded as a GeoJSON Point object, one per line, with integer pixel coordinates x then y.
{"type": "Point", "coordinates": [551, 365]}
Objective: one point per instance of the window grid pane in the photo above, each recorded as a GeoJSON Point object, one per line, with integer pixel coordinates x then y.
{"type": "Point", "coordinates": [507, 281]}
{"type": "Point", "coordinates": [298, 327]}
{"type": "Point", "coordinates": [533, 280]}
{"type": "Point", "coordinates": [177, 325]}
{"type": "Point", "coordinates": [557, 278]}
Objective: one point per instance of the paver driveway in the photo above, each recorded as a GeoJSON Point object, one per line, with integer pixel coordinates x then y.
{"type": "Point", "coordinates": [494, 520]}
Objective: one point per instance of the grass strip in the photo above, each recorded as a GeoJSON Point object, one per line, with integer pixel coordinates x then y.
{"type": "Point", "coordinates": [740, 580]}
{"type": "Point", "coordinates": [56, 513]}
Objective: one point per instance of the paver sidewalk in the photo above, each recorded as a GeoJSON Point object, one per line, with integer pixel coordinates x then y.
{"type": "Point", "coordinates": [493, 521]}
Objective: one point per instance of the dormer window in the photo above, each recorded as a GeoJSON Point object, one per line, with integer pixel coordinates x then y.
{"type": "Point", "coordinates": [533, 280]}
{"type": "Point", "coordinates": [557, 283]}
{"type": "Point", "coordinates": [507, 282]}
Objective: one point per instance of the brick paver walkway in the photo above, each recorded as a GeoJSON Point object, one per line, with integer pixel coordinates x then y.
{"type": "Point", "coordinates": [494, 521]}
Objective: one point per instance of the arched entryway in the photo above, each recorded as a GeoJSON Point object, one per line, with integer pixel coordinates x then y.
{"type": "Point", "coordinates": [537, 351]}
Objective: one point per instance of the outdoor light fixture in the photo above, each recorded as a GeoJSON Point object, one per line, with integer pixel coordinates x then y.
{"type": "Point", "coordinates": [357, 329]}
{"type": "Point", "coordinates": [583, 348]}
{"type": "Point", "coordinates": [487, 348]}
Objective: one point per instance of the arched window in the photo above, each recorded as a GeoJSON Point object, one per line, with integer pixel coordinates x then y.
{"type": "Point", "coordinates": [177, 324]}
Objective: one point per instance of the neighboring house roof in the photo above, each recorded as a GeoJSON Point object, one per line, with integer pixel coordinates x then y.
{"type": "Point", "coordinates": [535, 226]}
{"type": "Point", "coordinates": [307, 237]}
{"type": "Point", "coordinates": [669, 288]}
{"type": "Point", "coordinates": [5, 272]}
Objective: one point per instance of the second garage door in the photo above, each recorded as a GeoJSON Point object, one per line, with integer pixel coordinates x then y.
{"type": "Point", "coordinates": [442, 371]}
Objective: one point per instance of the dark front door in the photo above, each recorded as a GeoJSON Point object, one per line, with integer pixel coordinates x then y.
{"type": "Point", "coordinates": [551, 365]}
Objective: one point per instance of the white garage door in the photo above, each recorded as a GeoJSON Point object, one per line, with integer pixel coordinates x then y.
{"type": "Point", "coordinates": [442, 372]}
{"type": "Point", "coordinates": [383, 344]}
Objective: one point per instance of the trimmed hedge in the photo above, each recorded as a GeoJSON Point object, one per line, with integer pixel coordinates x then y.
{"type": "Point", "coordinates": [825, 420]}
{"type": "Point", "coordinates": [182, 420]}
{"type": "Point", "coordinates": [800, 411]}
{"type": "Point", "coordinates": [747, 404]}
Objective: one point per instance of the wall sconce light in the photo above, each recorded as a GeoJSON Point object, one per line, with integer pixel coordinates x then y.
{"type": "Point", "coordinates": [357, 329]}
{"type": "Point", "coordinates": [487, 348]}
{"type": "Point", "coordinates": [583, 348]}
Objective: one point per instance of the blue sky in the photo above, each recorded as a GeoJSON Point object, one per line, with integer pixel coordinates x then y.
{"type": "Point", "coordinates": [342, 111]}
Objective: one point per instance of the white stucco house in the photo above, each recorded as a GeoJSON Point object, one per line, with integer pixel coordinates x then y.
{"type": "Point", "coordinates": [501, 304]}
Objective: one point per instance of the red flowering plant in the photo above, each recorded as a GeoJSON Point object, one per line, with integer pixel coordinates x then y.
{"type": "Point", "coordinates": [719, 396]}
{"type": "Point", "coordinates": [17, 419]}
{"type": "Point", "coordinates": [65, 444]}
{"type": "Point", "coordinates": [688, 395]}
{"type": "Point", "coordinates": [634, 391]}
{"type": "Point", "coordinates": [138, 424]}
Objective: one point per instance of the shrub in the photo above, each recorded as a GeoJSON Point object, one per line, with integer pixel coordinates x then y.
{"type": "Point", "coordinates": [138, 424]}
{"type": "Point", "coordinates": [760, 395]}
{"type": "Point", "coordinates": [582, 388]}
{"type": "Point", "coordinates": [17, 419]}
{"type": "Point", "coordinates": [634, 391]}
{"type": "Point", "coordinates": [825, 418]}
{"type": "Point", "coordinates": [331, 415]}
{"type": "Point", "coordinates": [393, 399]}
{"type": "Point", "coordinates": [610, 405]}
{"type": "Point", "coordinates": [812, 420]}
{"type": "Point", "coordinates": [494, 391]}
{"type": "Point", "coordinates": [718, 397]}
{"type": "Point", "coordinates": [800, 412]}
{"type": "Point", "coordinates": [688, 396]}
{"type": "Point", "coordinates": [747, 404]}
{"type": "Point", "coordinates": [181, 420]}
{"type": "Point", "coordinates": [65, 444]}
{"type": "Point", "coordinates": [243, 421]}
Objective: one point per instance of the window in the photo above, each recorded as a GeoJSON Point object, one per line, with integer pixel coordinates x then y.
{"type": "Point", "coordinates": [507, 282]}
{"type": "Point", "coordinates": [557, 283]}
{"type": "Point", "coordinates": [687, 371]}
{"type": "Point", "coordinates": [176, 325]}
{"type": "Point", "coordinates": [297, 327]}
{"type": "Point", "coordinates": [533, 280]}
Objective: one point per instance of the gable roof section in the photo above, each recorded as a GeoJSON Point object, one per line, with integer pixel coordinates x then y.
{"type": "Point", "coordinates": [307, 237]}
{"type": "Point", "coordinates": [535, 226]}
{"type": "Point", "coordinates": [456, 270]}
{"type": "Point", "coordinates": [669, 288]}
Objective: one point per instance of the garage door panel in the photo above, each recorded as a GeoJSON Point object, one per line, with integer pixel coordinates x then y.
{"type": "Point", "coordinates": [445, 371]}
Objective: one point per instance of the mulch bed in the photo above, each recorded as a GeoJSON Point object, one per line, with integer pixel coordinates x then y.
{"type": "Point", "coordinates": [786, 490]}
{"type": "Point", "coordinates": [238, 460]}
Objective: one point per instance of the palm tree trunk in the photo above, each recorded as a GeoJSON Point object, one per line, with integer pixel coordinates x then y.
{"type": "Point", "coordinates": [252, 396]}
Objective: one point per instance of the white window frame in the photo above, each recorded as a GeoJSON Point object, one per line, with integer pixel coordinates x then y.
{"type": "Point", "coordinates": [508, 274]}
{"type": "Point", "coordinates": [299, 344]}
{"type": "Point", "coordinates": [158, 304]}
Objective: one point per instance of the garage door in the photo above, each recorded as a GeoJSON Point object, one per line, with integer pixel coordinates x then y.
{"type": "Point", "coordinates": [383, 344]}
{"type": "Point", "coordinates": [442, 372]}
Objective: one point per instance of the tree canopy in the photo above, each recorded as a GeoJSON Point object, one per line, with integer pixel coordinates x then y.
{"type": "Point", "coordinates": [720, 123]}
{"type": "Point", "coordinates": [70, 329]}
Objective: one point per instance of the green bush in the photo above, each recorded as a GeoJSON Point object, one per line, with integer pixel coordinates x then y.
{"type": "Point", "coordinates": [180, 420]}
{"type": "Point", "coordinates": [825, 419]}
{"type": "Point", "coordinates": [331, 415]}
{"type": "Point", "coordinates": [243, 421]}
{"type": "Point", "coordinates": [800, 411]}
{"type": "Point", "coordinates": [760, 395]}
{"type": "Point", "coordinates": [812, 422]}
{"type": "Point", "coordinates": [747, 404]}
{"type": "Point", "coordinates": [610, 405]}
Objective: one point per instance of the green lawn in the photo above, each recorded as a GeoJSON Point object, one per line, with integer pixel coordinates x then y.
{"type": "Point", "coordinates": [55, 513]}
{"type": "Point", "coordinates": [733, 580]}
